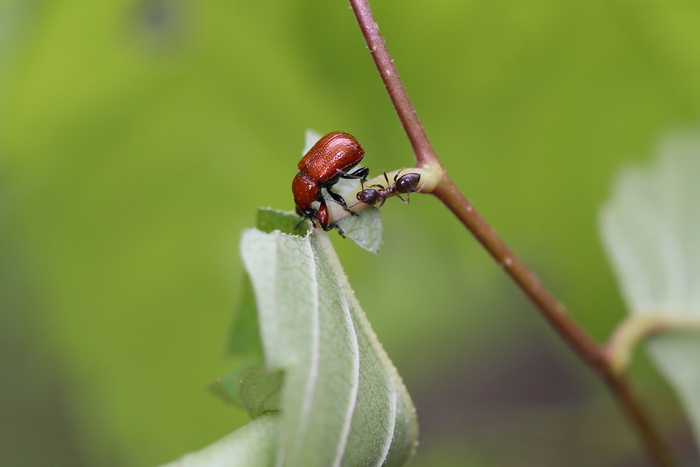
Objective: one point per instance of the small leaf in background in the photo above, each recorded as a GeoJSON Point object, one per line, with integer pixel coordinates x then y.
{"type": "Point", "coordinates": [271, 219]}
{"type": "Point", "coordinates": [243, 346]}
{"type": "Point", "coordinates": [243, 343]}
{"type": "Point", "coordinates": [260, 390]}
{"type": "Point", "coordinates": [245, 336]}
{"type": "Point", "coordinates": [651, 229]}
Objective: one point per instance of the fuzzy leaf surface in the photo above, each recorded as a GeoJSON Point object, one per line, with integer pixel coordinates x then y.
{"type": "Point", "coordinates": [341, 401]}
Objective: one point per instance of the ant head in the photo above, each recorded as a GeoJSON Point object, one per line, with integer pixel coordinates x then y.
{"type": "Point", "coordinates": [408, 183]}
{"type": "Point", "coordinates": [368, 196]}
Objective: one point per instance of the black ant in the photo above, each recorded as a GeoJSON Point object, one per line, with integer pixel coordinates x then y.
{"type": "Point", "coordinates": [378, 193]}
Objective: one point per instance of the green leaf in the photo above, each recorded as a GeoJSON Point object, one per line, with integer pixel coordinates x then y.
{"type": "Point", "coordinates": [244, 340]}
{"type": "Point", "coordinates": [243, 346]}
{"type": "Point", "coordinates": [272, 219]}
{"type": "Point", "coordinates": [365, 229]}
{"type": "Point", "coordinates": [651, 228]}
{"type": "Point", "coordinates": [342, 401]}
{"type": "Point", "coordinates": [260, 390]}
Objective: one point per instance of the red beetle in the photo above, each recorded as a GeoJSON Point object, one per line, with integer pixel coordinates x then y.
{"type": "Point", "coordinates": [326, 162]}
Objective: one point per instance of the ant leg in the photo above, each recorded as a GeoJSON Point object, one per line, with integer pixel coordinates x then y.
{"type": "Point", "coordinates": [381, 187]}
{"type": "Point", "coordinates": [396, 177]}
{"type": "Point", "coordinates": [407, 201]}
{"type": "Point", "coordinates": [376, 185]}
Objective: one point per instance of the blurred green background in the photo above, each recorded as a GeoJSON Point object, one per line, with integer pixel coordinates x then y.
{"type": "Point", "coordinates": [138, 137]}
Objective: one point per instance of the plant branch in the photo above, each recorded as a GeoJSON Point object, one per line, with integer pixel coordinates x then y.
{"type": "Point", "coordinates": [552, 310]}
{"type": "Point", "coordinates": [582, 344]}
{"type": "Point", "coordinates": [425, 155]}
{"type": "Point", "coordinates": [640, 418]}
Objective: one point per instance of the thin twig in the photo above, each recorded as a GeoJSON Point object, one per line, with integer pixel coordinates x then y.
{"type": "Point", "coordinates": [407, 114]}
{"type": "Point", "coordinates": [582, 344]}
{"type": "Point", "coordinates": [640, 418]}
{"type": "Point", "coordinates": [552, 310]}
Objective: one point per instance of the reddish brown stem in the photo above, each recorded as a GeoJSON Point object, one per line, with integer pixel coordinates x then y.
{"type": "Point", "coordinates": [552, 310]}
{"type": "Point", "coordinates": [579, 341]}
{"type": "Point", "coordinates": [638, 415]}
{"type": "Point", "coordinates": [407, 114]}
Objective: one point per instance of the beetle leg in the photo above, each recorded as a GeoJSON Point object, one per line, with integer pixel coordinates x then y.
{"type": "Point", "coordinates": [337, 198]}
{"type": "Point", "coordinates": [323, 216]}
{"type": "Point", "coordinates": [362, 173]}
{"type": "Point", "coordinates": [341, 232]}
{"type": "Point", "coordinates": [302, 220]}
